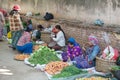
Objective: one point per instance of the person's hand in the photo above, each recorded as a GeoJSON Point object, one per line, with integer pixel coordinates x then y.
{"type": "Point", "coordinates": [52, 36]}
{"type": "Point", "coordinates": [90, 62]}
{"type": "Point", "coordinates": [68, 58]}
{"type": "Point", "coordinates": [73, 55]}
{"type": "Point", "coordinates": [83, 48]}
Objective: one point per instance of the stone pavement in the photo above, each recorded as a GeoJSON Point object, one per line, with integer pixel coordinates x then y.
{"type": "Point", "coordinates": [11, 69]}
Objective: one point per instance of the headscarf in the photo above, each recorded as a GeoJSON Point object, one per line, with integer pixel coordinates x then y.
{"type": "Point", "coordinates": [72, 40]}
{"type": "Point", "coordinates": [93, 40]}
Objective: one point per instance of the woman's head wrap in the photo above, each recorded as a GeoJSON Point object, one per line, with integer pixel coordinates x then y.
{"type": "Point", "coordinates": [93, 40]}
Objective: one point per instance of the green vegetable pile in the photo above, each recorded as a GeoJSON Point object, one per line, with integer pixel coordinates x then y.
{"type": "Point", "coordinates": [115, 68]}
{"type": "Point", "coordinates": [43, 55]}
{"type": "Point", "coordinates": [69, 71]}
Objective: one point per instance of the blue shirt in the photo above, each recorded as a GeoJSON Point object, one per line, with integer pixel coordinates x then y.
{"type": "Point", "coordinates": [93, 53]}
{"type": "Point", "coordinates": [30, 26]}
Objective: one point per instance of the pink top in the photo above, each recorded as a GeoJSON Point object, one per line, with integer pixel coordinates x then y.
{"type": "Point", "coordinates": [25, 38]}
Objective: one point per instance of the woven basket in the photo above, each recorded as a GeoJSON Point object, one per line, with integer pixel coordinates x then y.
{"type": "Point", "coordinates": [45, 36]}
{"type": "Point", "coordinates": [103, 65]}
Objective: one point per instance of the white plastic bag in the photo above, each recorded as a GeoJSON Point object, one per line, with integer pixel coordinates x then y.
{"type": "Point", "coordinates": [28, 63]}
{"type": "Point", "coordinates": [106, 38]}
{"type": "Point", "coordinates": [108, 53]}
{"type": "Point", "coordinates": [40, 67]}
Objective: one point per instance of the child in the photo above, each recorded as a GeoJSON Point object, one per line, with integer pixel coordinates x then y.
{"type": "Point", "coordinates": [37, 33]}
{"type": "Point", "coordinates": [29, 24]}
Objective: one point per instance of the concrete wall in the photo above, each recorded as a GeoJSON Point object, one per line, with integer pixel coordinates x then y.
{"type": "Point", "coordinates": [81, 32]}
{"type": "Point", "coordinates": [83, 10]}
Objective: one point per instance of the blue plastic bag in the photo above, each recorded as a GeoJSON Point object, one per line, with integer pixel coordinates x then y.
{"type": "Point", "coordinates": [99, 22]}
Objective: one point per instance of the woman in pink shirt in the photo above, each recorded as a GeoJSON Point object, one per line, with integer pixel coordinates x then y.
{"type": "Point", "coordinates": [24, 44]}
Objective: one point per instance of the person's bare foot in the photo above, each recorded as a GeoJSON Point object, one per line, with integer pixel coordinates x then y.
{"type": "Point", "coordinates": [1, 39]}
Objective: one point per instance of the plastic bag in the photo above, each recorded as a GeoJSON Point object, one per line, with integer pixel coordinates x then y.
{"type": "Point", "coordinates": [40, 67]}
{"type": "Point", "coordinates": [110, 53]}
{"type": "Point", "coordinates": [106, 38]}
{"type": "Point", "coordinates": [116, 54]}
{"type": "Point", "coordinates": [28, 63]}
{"type": "Point", "coordinates": [99, 22]}
{"type": "Point", "coordinates": [9, 36]}
{"type": "Point", "coordinates": [48, 16]}
{"type": "Point", "coordinates": [28, 14]}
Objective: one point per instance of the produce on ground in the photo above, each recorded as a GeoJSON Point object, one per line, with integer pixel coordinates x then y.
{"type": "Point", "coordinates": [69, 71]}
{"type": "Point", "coordinates": [21, 56]}
{"type": "Point", "coordinates": [55, 67]}
{"type": "Point", "coordinates": [43, 55]}
{"type": "Point", "coordinates": [93, 78]}
{"type": "Point", "coordinates": [115, 68]}
{"type": "Point", "coordinates": [36, 47]}
{"type": "Point", "coordinates": [116, 72]}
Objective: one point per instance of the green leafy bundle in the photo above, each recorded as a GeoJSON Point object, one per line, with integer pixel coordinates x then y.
{"type": "Point", "coordinates": [115, 68]}
{"type": "Point", "coordinates": [43, 55]}
{"type": "Point", "coordinates": [69, 71]}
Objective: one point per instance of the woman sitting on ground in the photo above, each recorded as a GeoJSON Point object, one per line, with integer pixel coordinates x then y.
{"type": "Point", "coordinates": [57, 39]}
{"type": "Point", "coordinates": [89, 55]}
{"type": "Point", "coordinates": [24, 44]}
{"type": "Point", "coordinates": [73, 50]}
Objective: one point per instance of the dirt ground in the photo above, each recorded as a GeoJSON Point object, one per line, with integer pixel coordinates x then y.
{"type": "Point", "coordinates": [11, 69]}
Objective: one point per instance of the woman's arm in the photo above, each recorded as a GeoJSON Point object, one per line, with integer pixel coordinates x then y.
{"type": "Point", "coordinates": [94, 53]}
{"type": "Point", "coordinates": [58, 36]}
{"type": "Point", "coordinates": [68, 51]}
